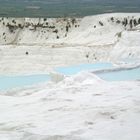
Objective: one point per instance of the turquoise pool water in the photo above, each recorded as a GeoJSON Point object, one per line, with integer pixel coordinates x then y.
{"type": "Point", "coordinates": [77, 68]}
{"type": "Point", "coordinates": [125, 75]}
{"type": "Point", "coordinates": [8, 82]}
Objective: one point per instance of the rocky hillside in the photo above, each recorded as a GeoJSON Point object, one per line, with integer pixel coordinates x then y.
{"type": "Point", "coordinates": [93, 30]}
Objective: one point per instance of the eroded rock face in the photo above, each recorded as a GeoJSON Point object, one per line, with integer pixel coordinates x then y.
{"type": "Point", "coordinates": [64, 30]}
{"type": "Point", "coordinates": [14, 30]}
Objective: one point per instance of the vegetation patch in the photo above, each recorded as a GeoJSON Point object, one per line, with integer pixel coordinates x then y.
{"type": "Point", "coordinates": [119, 34]}
{"type": "Point", "coordinates": [101, 23]}
{"type": "Point", "coordinates": [112, 19]}
{"type": "Point", "coordinates": [11, 28]}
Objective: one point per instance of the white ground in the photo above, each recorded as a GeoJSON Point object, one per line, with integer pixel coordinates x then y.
{"type": "Point", "coordinates": [42, 59]}
{"type": "Point", "coordinates": [83, 44]}
{"type": "Point", "coordinates": [80, 107]}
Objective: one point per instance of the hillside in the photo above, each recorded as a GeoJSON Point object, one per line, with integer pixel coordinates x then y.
{"type": "Point", "coordinates": [92, 30]}
{"type": "Point", "coordinates": [37, 45]}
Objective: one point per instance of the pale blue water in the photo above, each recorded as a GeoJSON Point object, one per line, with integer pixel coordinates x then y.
{"type": "Point", "coordinates": [124, 75]}
{"type": "Point", "coordinates": [133, 74]}
{"type": "Point", "coordinates": [8, 82]}
{"type": "Point", "coordinates": [77, 68]}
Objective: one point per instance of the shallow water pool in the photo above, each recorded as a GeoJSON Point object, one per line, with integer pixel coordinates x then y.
{"type": "Point", "coordinates": [83, 67]}
{"type": "Point", "coordinates": [8, 82]}
{"type": "Point", "coordinates": [123, 75]}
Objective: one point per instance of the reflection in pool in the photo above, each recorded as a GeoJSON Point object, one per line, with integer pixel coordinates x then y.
{"type": "Point", "coordinates": [77, 68]}
{"type": "Point", "coordinates": [7, 82]}
{"type": "Point", "coordinates": [124, 75]}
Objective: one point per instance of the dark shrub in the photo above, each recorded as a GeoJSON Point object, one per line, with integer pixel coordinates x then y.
{"type": "Point", "coordinates": [118, 21]}
{"type": "Point", "coordinates": [112, 19]}
{"type": "Point", "coordinates": [51, 27]}
{"type": "Point", "coordinates": [131, 23]}
{"type": "Point", "coordinates": [87, 56]}
{"type": "Point", "coordinates": [125, 22]}
{"type": "Point", "coordinates": [11, 27]}
{"type": "Point", "coordinates": [20, 26]}
{"type": "Point", "coordinates": [135, 22]}
{"type": "Point", "coordinates": [73, 21]}
{"type": "Point", "coordinates": [26, 53]}
{"type": "Point", "coordinates": [101, 23]}
{"type": "Point", "coordinates": [55, 31]}
{"type": "Point", "coordinates": [67, 28]}
{"type": "Point", "coordinates": [139, 21]}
